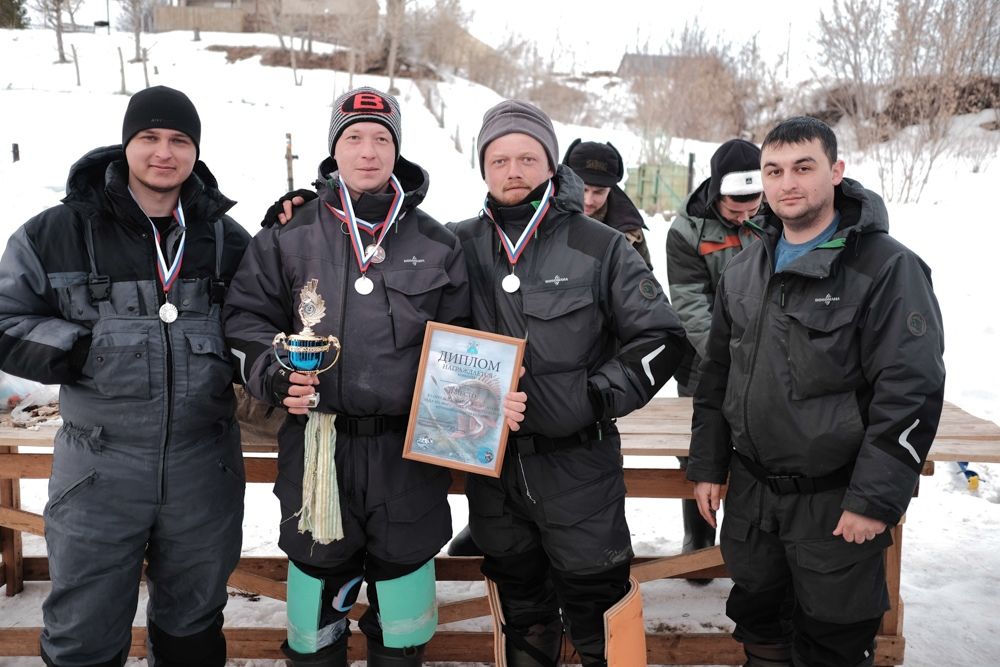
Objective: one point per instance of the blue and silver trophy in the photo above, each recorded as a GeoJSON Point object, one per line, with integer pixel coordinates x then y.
{"type": "Point", "coordinates": [305, 352]}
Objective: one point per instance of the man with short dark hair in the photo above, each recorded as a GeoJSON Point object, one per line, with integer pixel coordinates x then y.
{"type": "Point", "coordinates": [602, 339]}
{"type": "Point", "coordinates": [820, 395]}
{"type": "Point", "coordinates": [116, 294]}
{"type": "Point", "coordinates": [600, 168]}
{"type": "Point", "coordinates": [717, 221]}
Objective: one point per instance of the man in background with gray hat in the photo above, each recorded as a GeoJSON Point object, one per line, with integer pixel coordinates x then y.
{"type": "Point", "coordinates": [116, 294]}
{"type": "Point", "coordinates": [602, 339]}
{"type": "Point", "coordinates": [383, 268]}
{"type": "Point", "coordinates": [719, 219]}
{"type": "Point", "coordinates": [601, 169]}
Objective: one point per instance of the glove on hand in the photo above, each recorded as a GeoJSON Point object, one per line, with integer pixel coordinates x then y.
{"type": "Point", "coordinates": [277, 208]}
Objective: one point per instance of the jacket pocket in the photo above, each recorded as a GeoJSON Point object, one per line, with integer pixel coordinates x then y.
{"type": "Point", "coordinates": [119, 365]}
{"type": "Point", "coordinates": [414, 297]}
{"type": "Point", "coordinates": [59, 497]}
{"type": "Point", "coordinates": [822, 353]}
{"type": "Point", "coordinates": [486, 496]}
{"type": "Point", "coordinates": [562, 327]}
{"type": "Point", "coordinates": [416, 519]}
{"type": "Point", "coordinates": [209, 372]}
{"type": "Point", "coordinates": [839, 581]}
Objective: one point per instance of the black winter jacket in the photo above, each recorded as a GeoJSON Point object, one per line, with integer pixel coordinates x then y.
{"type": "Point", "coordinates": [835, 361]}
{"type": "Point", "coordinates": [422, 278]}
{"type": "Point", "coordinates": [601, 335]}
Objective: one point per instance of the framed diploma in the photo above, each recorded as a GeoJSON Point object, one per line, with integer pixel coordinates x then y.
{"type": "Point", "coordinates": [456, 419]}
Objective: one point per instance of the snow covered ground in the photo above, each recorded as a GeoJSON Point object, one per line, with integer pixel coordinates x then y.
{"type": "Point", "coordinates": [952, 539]}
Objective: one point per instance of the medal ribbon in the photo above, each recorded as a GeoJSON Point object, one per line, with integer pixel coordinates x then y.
{"type": "Point", "coordinates": [514, 250]}
{"type": "Point", "coordinates": [353, 223]}
{"type": "Point", "coordinates": [168, 274]}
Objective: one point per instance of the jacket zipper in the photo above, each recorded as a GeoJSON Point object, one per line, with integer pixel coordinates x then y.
{"type": "Point", "coordinates": [161, 298]}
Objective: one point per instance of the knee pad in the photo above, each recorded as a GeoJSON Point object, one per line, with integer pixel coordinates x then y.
{"type": "Point", "coordinates": [408, 608]}
{"type": "Point", "coordinates": [625, 630]}
{"type": "Point", "coordinates": [306, 631]}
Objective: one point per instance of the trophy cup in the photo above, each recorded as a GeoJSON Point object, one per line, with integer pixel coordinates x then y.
{"type": "Point", "coordinates": [305, 351]}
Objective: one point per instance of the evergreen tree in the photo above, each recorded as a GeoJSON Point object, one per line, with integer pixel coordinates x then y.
{"type": "Point", "coordinates": [13, 14]}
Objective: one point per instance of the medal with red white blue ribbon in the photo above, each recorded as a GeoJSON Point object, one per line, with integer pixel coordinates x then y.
{"type": "Point", "coordinates": [373, 252]}
{"type": "Point", "coordinates": [168, 274]}
{"type": "Point", "coordinates": [511, 283]}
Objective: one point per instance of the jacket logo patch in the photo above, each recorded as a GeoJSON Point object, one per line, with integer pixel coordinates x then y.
{"type": "Point", "coordinates": [916, 323]}
{"type": "Point", "coordinates": [555, 281]}
{"type": "Point", "coordinates": [413, 260]}
{"type": "Point", "coordinates": [647, 288]}
{"type": "Point", "coordinates": [827, 300]}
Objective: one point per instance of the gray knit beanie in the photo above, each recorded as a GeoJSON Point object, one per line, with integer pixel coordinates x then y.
{"type": "Point", "coordinates": [365, 105]}
{"type": "Point", "coordinates": [515, 116]}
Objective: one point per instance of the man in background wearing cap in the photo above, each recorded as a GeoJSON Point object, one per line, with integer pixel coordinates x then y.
{"type": "Point", "coordinates": [601, 169]}
{"type": "Point", "coordinates": [380, 268]}
{"type": "Point", "coordinates": [717, 221]}
{"type": "Point", "coordinates": [820, 395]}
{"type": "Point", "coordinates": [602, 339]}
{"type": "Point", "coordinates": [116, 294]}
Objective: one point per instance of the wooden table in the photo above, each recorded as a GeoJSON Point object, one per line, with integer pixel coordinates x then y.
{"type": "Point", "coordinates": [660, 429]}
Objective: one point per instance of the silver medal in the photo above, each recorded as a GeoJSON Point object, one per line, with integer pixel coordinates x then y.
{"type": "Point", "coordinates": [510, 283]}
{"type": "Point", "coordinates": [168, 312]}
{"type": "Point", "coordinates": [363, 285]}
{"type": "Point", "coordinates": [379, 256]}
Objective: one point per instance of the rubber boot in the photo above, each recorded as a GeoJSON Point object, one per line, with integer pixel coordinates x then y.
{"type": "Point", "coordinates": [538, 646]}
{"type": "Point", "coordinates": [768, 655]}
{"type": "Point", "coordinates": [202, 649]}
{"type": "Point", "coordinates": [698, 534]}
{"type": "Point", "coordinates": [334, 655]}
{"type": "Point", "coordinates": [383, 656]}
{"type": "Point", "coordinates": [463, 545]}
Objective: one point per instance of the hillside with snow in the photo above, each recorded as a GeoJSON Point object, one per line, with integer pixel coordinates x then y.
{"type": "Point", "coordinates": [951, 557]}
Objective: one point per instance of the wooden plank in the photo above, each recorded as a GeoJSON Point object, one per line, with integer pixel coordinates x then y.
{"type": "Point", "coordinates": [678, 566]}
{"type": "Point", "coordinates": [893, 565]}
{"type": "Point", "coordinates": [462, 610]}
{"type": "Point", "coordinates": [10, 536]}
{"type": "Point", "coordinates": [448, 568]}
{"type": "Point", "coordinates": [255, 583]}
{"type": "Point", "coordinates": [19, 520]}
{"type": "Point", "coordinates": [450, 646]}
{"type": "Point", "coordinates": [24, 466]}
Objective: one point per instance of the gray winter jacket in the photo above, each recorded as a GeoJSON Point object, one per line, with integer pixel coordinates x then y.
{"type": "Point", "coordinates": [602, 338]}
{"type": "Point", "coordinates": [699, 246]}
{"type": "Point", "coordinates": [836, 361]}
{"type": "Point", "coordinates": [79, 296]}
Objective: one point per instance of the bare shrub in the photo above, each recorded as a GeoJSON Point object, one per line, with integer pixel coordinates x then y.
{"type": "Point", "coordinates": [906, 68]}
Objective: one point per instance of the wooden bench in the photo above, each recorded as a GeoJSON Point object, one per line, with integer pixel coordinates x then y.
{"type": "Point", "coordinates": [660, 429]}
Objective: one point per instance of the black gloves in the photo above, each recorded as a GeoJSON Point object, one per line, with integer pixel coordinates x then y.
{"type": "Point", "coordinates": [272, 213]}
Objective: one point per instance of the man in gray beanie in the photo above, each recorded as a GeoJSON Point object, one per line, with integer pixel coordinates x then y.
{"type": "Point", "coordinates": [116, 294]}
{"type": "Point", "coordinates": [384, 269]}
{"type": "Point", "coordinates": [603, 340]}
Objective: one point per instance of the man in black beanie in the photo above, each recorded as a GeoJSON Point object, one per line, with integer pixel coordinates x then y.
{"type": "Point", "coordinates": [602, 340]}
{"type": "Point", "coordinates": [116, 294]}
{"type": "Point", "coordinates": [601, 169]}
{"type": "Point", "coordinates": [720, 218]}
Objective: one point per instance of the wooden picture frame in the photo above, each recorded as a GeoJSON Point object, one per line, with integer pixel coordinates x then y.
{"type": "Point", "coordinates": [456, 418]}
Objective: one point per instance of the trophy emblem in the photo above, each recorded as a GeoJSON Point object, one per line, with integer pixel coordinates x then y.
{"type": "Point", "coordinates": [305, 352]}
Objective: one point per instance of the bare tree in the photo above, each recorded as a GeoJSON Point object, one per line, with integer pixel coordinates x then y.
{"type": "Point", "coordinates": [135, 14]}
{"type": "Point", "coordinates": [938, 59]}
{"type": "Point", "coordinates": [51, 11]}
{"type": "Point", "coordinates": [395, 11]}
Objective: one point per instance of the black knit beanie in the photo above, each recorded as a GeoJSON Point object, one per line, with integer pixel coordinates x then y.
{"type": "Point", "coordinates": [735, 170]}
{"type": "Point", "coordinates": [161, 107]}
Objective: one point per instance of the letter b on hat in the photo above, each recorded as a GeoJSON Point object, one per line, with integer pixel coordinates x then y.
{"type": "Point", "coordinates": [365, 102]}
